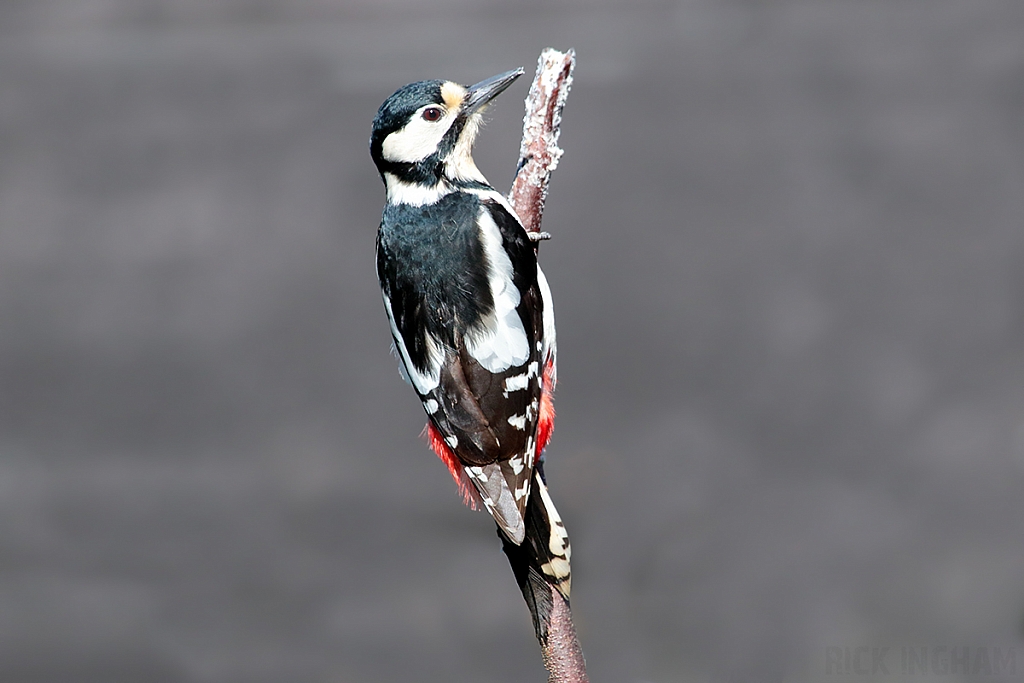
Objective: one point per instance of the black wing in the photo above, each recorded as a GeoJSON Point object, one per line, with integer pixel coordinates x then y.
{"type": "Point", "coordinates": [487, 416]}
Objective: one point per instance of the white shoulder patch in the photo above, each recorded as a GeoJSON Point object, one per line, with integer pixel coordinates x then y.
{"type": "Point", "coordinates": [499, 341]}
{"type": "Point", "coordinates": [422, 382]}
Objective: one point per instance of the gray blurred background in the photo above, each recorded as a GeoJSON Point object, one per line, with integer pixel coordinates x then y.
{"type": "Point", "coordinates": [789, 273]}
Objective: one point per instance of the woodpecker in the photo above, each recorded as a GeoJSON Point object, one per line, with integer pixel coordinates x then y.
{"type": "Point", "coordinates": [470, 311]}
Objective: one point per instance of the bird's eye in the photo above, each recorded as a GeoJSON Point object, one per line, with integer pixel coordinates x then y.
{"type": "Point", "coordinates": [432, 114]}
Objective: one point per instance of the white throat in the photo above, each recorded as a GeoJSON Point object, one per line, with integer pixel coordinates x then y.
{"type": "Point", "coordinates": [460, 165]}
{"type": "Point", "coordinates": [414, 194]}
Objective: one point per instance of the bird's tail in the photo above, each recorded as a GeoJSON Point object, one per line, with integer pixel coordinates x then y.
{"type": "Point", "coordinates": [541, 562]}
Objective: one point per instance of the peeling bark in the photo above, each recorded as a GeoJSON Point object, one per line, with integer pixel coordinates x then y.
{"type": "Point", "coordinates": [539, 151]}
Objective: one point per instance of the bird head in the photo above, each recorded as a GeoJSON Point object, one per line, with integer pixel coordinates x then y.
{"type": "Point", "coordinates": [423, 134]}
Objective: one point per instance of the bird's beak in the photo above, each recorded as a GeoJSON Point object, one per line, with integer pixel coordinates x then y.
{"type": "Point", "coordinates": [483, 92]}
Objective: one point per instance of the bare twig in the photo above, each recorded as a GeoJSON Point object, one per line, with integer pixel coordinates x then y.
{"type": "Point", "coordinates": [538, 157]}
{"type": "Point", "coordinates": [563, 657]}
{"type": "Point", "coordinates": [539, 152]}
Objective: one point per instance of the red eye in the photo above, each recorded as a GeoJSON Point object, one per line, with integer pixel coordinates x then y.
{"type": "Point", "coordinates": [432, 114]}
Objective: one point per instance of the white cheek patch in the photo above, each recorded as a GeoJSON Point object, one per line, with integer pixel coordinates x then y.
{"type": "Point", "coordinates": [417, 140]}
{"type": "Point", "coordinates": [499, 341]}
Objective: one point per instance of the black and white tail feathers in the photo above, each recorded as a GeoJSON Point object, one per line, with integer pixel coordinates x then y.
{"type": "Point", "coordinates": [541, 562]}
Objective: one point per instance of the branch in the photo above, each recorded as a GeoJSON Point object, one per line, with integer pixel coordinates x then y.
{"type": "Point", "coordinates": [538, 156]}
{"type": "Point", "coordinates": [539, 152]}
{"type": "Point", "coordinates": [547, 597]}
{"type": "Point", "coordinates": [563, 657]}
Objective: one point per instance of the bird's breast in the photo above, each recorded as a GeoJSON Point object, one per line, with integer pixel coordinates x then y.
{"type": "Point", "coordinates": [436, 261]}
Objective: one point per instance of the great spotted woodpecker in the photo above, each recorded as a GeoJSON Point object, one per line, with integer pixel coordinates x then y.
{"type": "Point", "coordinates": [470, 312]}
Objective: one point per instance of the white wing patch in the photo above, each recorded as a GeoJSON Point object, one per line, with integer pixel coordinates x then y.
{"type": "Point", "coordinates": [422, 382]}
{"type": "Point", "coordinates": [499, 341]}
{"type": "Point", "coordinates": [516, 383]}
{"type": "Point", "coordinates": [548, 346]}
{"type": "Point", "coordinates": [531, 410]}
{"type": "Point", "coordinates": [523, 490]}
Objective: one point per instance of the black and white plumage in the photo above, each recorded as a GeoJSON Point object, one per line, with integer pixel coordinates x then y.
{"type": "Point", "coordinates": [469, 307]}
